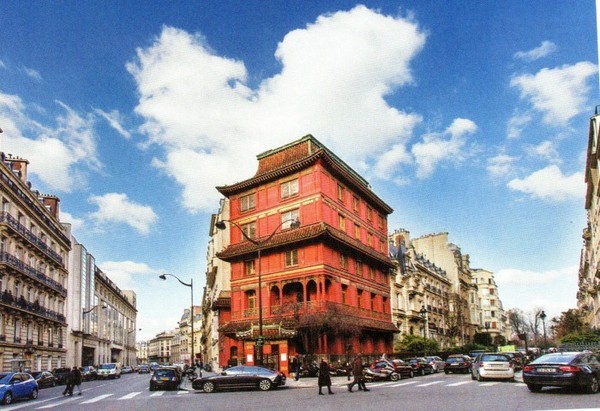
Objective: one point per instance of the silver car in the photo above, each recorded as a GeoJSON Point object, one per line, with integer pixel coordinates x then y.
{"type": "Point", "coordinates": [436, 362]}
{"type": "Point", "coordinates": [493, 366]}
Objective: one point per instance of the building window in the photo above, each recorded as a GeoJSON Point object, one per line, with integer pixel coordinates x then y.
{"type": "Point", "coordinates": [370, 239]}
{"type": "Point", "coordinates": [343, 260]}
{"type": "Point", "coordinates": [341, 193]}
{"type": "Point", "coordinates": [369, 213]}
{"type": "Point", "coordinates": [248, 202]}
{"type": "Point", "coordinates": [359, 294]}
{"type": "Point", "coordinates": [359, 268]}
{"type": "Point", "coordinates": [357, 231]}
{"type": "Point", "coordinates": [251, 299]}
{"type": "Point", "coordinates": [291, 257]}
{"type": "Point", "coordinates": [372, 302]}
{"type": "Point", "coordinates": [342, 222]}
{"type": "Point", "coordinates": [491, 291]}
{"type": "Point", "coordinates": [288, 218]}
{"type": "Point", "coordinates": [355, 204]}
{"type": "Point", "coordinates": [344, 293]}
{"type": "Point", "coordinates": [371, 273]}
{"type": "Point", "coordinates": [249, 229]}
{"type": "Point", "coordinates": [380, 220]}
{"type": "Point", "coordinates": [249, 268]}
{"type": "Point", "coordinates": [289, 188]}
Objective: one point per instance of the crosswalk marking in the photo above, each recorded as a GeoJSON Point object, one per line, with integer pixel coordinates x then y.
{"type": "Point", "coordinates": [429, 383]}
{"type": "Point", "coordinates": [182, 392]}
{"type": "Point", "coordinates": [488, 384]}
{"type": "Point", "coordinates": [130, 395]}
{"type": "Point", "coordinates": [157, 394]}
{"type": "Point", "coordinates": [96, 399]}
{"type": "Point", "coordinates": [56, 404]}
{"type": "Point", "coordinates": [456, 384]}
{"type": "Point", "coordinates": [403, 383]}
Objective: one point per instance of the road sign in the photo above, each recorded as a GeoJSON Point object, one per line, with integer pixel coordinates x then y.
{"type": "Point", "coordinates": [260, 341]}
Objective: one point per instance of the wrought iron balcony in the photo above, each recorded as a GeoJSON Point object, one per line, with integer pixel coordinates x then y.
{"type": "Point", "coordinates": [6, 218]}
{"type": "Point", "coordinates": [7, 299]}
{"type": "Point", "coordinates": [31, 272]}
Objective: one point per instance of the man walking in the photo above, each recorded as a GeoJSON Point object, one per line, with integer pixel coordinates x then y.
{"type": "Point", "coordinates": [69, 383]}
{"type": "Point", "coordinates": [77, 379]}
{"type": "Point", "coordinates": [357, 372]}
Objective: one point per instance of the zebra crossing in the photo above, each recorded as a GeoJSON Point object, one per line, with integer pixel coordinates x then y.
{"type": "Point", "coordinates": [442, 383]}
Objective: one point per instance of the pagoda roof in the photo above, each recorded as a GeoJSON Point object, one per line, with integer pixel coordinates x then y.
{"type": "Point", "coordinates": [318, 230]}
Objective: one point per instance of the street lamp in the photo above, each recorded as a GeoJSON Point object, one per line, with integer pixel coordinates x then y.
{"type": "Point", "coordinates": [191, 285]}
{"type": "Point", "coordinates": [423, 314]}
{"type": "Point", "coordinates": [295, 223]}
{"type": "Point", "coordinates": [543, 317]}
{"type": "Point", "coordinates": [83, 313]}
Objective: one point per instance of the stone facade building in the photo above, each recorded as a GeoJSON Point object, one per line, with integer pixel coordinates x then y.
{"type": "Point", "coordinates": [491, 317]}
{"type": "Point", "coordinates": [159, 348]}
{"type": "Point", "coordinates": [34, 248]}
{"type": "Point", "coordinates": [313, 259]}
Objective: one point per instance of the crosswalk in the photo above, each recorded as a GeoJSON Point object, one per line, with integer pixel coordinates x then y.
{"type": "Point", "coordinates": [443, 383]}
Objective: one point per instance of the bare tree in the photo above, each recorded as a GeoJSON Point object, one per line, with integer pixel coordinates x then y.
{"type": "Point", "coordinates": [518, 321]}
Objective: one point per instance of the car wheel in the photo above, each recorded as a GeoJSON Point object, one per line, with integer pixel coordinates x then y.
{"type": "Point", "coordinates": [54, 383]}
{"type": "Point", "coordinates": [7, 398]}
{"type": "Point", "coordinates": [34, 394]}
{"type": "Point", "coordinates": [446, 372]}
{"type": "Point", "coordinates": [592, 387]}
{"type": "Point", "coordinates": [480, 378]}
{"type": "Point", "coordinates": [412, 374]}
{"type": "Point", "coordinates": [422, 372]}
{"type": "Point", "coordinates": [534, 387]}
{"type": "Point", "coordinates": [208, 387]}
{"type": "Point", "coordinates": [265, 385]}
{"type": "Point", "coordinates": [394, 376]}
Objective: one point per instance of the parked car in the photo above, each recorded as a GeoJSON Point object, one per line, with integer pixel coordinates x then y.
{"type": "Point", "coordinates": [241, 376]}
{"type": "Point", "coordinates": [89, 373]}
{"type": "Point", "coordinates": [568, 369]}
{"type": "Point", "coordinates": [420, 366]}
{"type": "Point", "coordinates": [109, 370]}
{"type": "Point", "coordinates": [61, 374]}
{"type": "Point", "coordinates": [143, 369]}
{"type": "Point", "coordinates": [517, 359]}
{"type": "Point", "coordinates": [436, 362]}
{"type": "Point", "coordinates": [17, 385]}
{"type": "Point", "coordinates": [404, 369]}
{"type": "Point", "coordinates": [126, 370]}
{"type": "Point", "coordinates": [44, 379]}
{"type": "Point", "coordinates": [458, 363]}
{"type": "Point", "coordinates": [165, 378]}
{"type": "Point", "coordinates": [492, 365]}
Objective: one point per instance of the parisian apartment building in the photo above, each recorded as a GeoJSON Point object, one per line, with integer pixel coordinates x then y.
{"type": "Point", "coordinates": [34, 249]}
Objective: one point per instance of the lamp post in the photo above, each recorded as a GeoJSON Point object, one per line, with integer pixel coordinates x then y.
{"type": "Point", "coordinates": [259, 244]}
{"type": "Point", "coordinates": [543, 317]}
{"type": "Point", "coordinates": [129, 332]}
{"type": "Point", "coordinates": [191, 285]}
{"type": "Point", "coordinates": [423, 314]}
{"type": "Point", "coordinates": [83, 313]}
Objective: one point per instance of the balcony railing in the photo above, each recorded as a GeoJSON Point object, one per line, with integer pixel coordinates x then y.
{"type": "Point", "coordinates": [31, 272]}
{"type": "Point", "coordinates": [34, 308]}
{"type": "Point", "coordinates": [12, 222]}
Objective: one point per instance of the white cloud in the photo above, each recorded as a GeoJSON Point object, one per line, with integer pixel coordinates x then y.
{"type": "Point", "coordinates": [558, 93]}
{"type": "Point", "coordinates": [501, 165]}
{"type": "Point", "coordinates": [76, 223]}
{"type": "Point", "coordinates": [551, 185]}
{"type": "Point", "coordinates": [435, 149]}
{"type": "Point", "coordinates": [516, 125]}
{"type": "Point", "coordinates": [2, 65]}
{"type": "Point", "coordinates": [117, 208]}
{"type": "Point", "coordinates": [114, 119]}
{"type": "Point", "coordinates": [58, 156]}
{"type": "Point", "coordinates": [545, 49]}
{"type": "Point", "coordinates": [126, 274]}
{"type": "Point", "coordinates": [546, 150]}
{"type": "Point", "coordinates": [335, 75]}
{"type": "Point", "coordinates": [34, 74]}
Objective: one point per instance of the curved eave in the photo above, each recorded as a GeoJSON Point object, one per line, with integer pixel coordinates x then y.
{"type": "Point", "coordinates": [313, 231]}
{"type": "Point", "coordinates": [300, 165]}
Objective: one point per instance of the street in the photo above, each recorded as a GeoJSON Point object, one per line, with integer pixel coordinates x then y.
{"type": "Point", "coordinates": [432, 392]}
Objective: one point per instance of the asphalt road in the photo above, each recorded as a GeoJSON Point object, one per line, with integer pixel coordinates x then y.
{"type": "Point", "coordinates": [431, 392]}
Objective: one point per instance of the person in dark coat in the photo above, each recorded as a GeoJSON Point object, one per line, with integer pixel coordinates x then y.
{"type": "Point", "coordinates": [324, 377]}
{"type": "Point", "coordinates": [357, 372]}
{"type": "Point", "coordinates": [69, 383]}
{"type": "Point", "coordinates": [77, 379]}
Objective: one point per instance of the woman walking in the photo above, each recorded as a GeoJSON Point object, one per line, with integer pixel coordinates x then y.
{"type": "Point", "coordinates": [324, 377]}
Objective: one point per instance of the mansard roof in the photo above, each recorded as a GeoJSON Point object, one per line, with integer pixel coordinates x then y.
{"type": "Point", "coordinates": [309, 232]}
{"type": "Point", "coordinates": [296, 156]}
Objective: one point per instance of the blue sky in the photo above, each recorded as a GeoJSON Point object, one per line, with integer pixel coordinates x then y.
{"type": "Point", "coordinates": [466, 117]}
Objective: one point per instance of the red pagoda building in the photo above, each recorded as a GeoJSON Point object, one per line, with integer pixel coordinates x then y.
{"type": "Point", "coordinates": [310, 272]}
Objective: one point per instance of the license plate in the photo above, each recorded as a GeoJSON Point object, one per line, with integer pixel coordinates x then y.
{"type": "Point", "coordinates": [164, 379]}
{"type": "Point", "coordinates": [545, 370]}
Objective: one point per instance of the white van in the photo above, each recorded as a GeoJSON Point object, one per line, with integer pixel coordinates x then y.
{"type": "Point", "coordinates": [109, 370]}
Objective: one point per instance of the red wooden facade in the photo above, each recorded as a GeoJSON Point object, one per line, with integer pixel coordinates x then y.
{"type": "Point", "coordinates": [325, 284]}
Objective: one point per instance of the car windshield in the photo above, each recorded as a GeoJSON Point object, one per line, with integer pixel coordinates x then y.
{"type": "Point", "coordinates": [494, 357]}
{"type": "Point", "coordinates": [555, 358]}
{"type": "Point", "coordinates": [454, 359]}
{"type": "Point", "coordinates": [164, 373]}
{"type": "Point", "coordinates": [107, 366]}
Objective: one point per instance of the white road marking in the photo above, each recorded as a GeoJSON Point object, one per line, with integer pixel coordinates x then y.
{"type": "Point", "coordinates": [96, 399]}
{"type": "Point", "coordinates": [182, 392]}
{"type": "Point", "coordinates": [456, 384]}
{"type": "Point", "coordinates": [403, 383]}
{"type": "Point", "coordinates": [130, 395]}
{"type": "Point", "coordinates": [56, 404]}
{"type": "Point", "coordinates": [429, 383]}
{"type": "Point", "coordinates": [157, 394]}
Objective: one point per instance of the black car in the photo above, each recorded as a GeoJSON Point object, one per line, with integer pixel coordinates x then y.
{"type": "Point", "coordinates": [143, 369]}
{"type": "Point", "coordinates": [458, 363]}
{"type": "Point", "coordinates": [570, 369]}
{"type": "Point", "coordinates": [420, 366]}
{"type": "Point", "coordinates": [241, 376]}
{"type": "Point", "coordinates": [165, 378]}
{"type": "Point", "coordinates": [44, 379]}
{"type": "Point", "coordinates": [61, 374]}
{"type": "Point", "coordinates": [89, 373]}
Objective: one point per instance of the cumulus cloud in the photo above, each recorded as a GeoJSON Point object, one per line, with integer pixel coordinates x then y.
{"type": "Point", "coordinates": [435, 148]}
{"type": "Point", "coordinates": [501, 165]}
{"type": "Point", "coordinates": [559, 94]}
{"type": "Point", "coordinates": [114, 119]}
{"type": "Point", "coordinates": [551, 185]}
{"type": "Point", "coordinates": [58, 155]}
{"type": "Point", "coordinates": [117, 208]}
{"type": "Point", "coordinates": [545, 150]}
{"type": "Point", "coordinates": [335, 74]}
{"type": "Point", "coordinates": [126, 274]}
{"type": "Point", "coordinates": [516, 124]}
{"type": "Point", "coordinates": [545, 49]}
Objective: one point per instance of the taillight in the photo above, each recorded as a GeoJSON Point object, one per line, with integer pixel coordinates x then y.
{"type": "Point", "coordinates": [527, 368]}
{"type": "Point", "coordinates": [569, 368]}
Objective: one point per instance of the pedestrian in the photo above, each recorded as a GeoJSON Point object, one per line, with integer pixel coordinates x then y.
{"type": "Point", "coordinates": [357, 368]}
{"type": "Point", "coordinates": [297, 368]}
{"type": "Point", "coordinates": [77, 379]}
{"type": "Point", "coordinates": [324, 379]}
{"type": "Point", "coordinates": [69, 383]}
